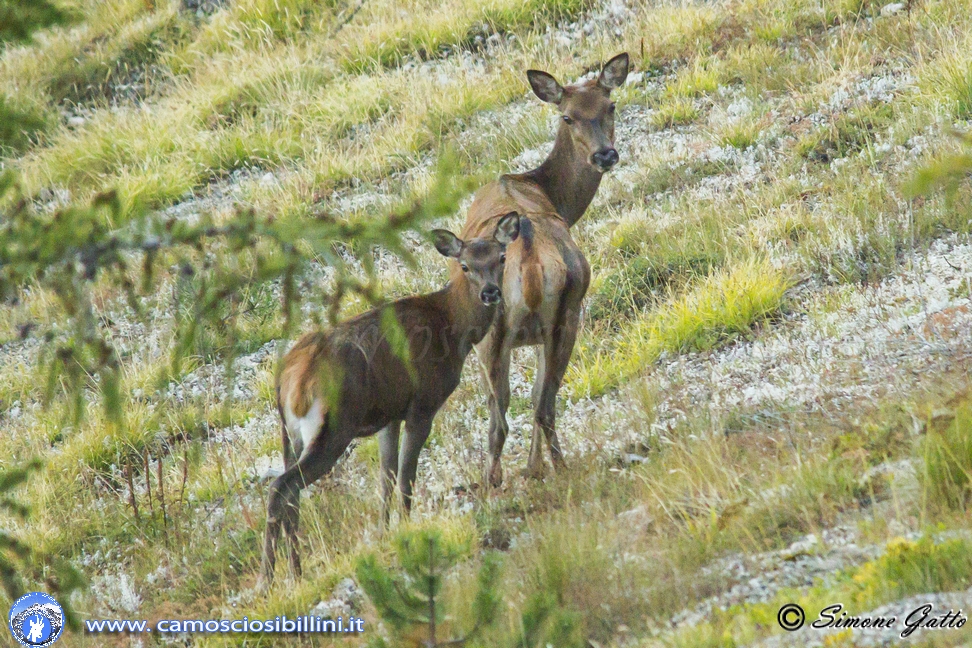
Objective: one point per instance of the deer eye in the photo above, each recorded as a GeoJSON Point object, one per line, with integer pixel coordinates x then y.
{"type": "Point", "coordinates": [611, 108]}
{"type": "Point", "coordinates": [464, 267]}
{"type": "Point", "coordinates": [502, 258]}
{"type": "Point", "coordinates": [568, 120]}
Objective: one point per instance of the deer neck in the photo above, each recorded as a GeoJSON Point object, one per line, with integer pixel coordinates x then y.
{"type": "Point", "coordinates": [469, 318]}
{"type": "Point", "coordinates": [567, 178]}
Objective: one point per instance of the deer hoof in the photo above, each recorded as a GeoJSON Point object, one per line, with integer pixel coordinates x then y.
{"type": "Point", "coordinates": [537, 471]}
{"type": "Point", "coordinates": [496, 476]}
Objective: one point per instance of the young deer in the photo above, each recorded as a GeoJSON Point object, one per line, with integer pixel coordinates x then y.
{"type": "Point", "coordinates": [547, 276]}
{"type": "Point", "coordinates": [353, 381]}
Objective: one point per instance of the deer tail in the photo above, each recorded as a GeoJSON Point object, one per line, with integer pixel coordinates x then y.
{"type": "Point", "coordinates": [531, 271]}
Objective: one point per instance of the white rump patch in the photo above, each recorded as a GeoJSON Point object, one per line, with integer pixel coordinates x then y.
{"type": "Point", "coordinates": [303, 429]}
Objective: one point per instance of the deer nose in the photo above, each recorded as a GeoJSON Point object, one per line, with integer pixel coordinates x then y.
{"type": "Point", "coordinates": [490, 294]}
{"type": "Point", "coordinates": [605, 158]}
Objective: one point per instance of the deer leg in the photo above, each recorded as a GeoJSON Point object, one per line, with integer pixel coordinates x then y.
{"type": "Point", "coordinates": [557, 349]}
{"type": "Point", "coordinates": [283, 506]}
{"type": "Point", "coordinates": [290, 453]}
{"type": "Point", "coordinates": [276, 503]}
{"type": "Point", "coordinates": [310, 467]}
{"type": "Point", "coordinates": [388, 451]}
{"type": "Point", "coordinates": [535, 467]}
{"type": "Point", "coordinates": [538, 380]}
{"type": "Point", "coordinates": [417, 429]}
{"type": "Point", "coordinates": [494, 355]}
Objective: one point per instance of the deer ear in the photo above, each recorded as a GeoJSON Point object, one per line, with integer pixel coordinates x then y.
{"type": "Point", "coordinates": [508, 228]}
{"type": "Point", "coordinates": [614, 73]}
{"type": "Point", "coordinates": [545, 86]}
{"type": "Point", "coordinates": [447, 243]}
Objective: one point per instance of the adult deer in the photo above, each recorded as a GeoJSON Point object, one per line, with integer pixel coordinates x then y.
{"type": "Point", "coordinates": [354, 380]}
{"type": "Point", "coordinates": [547, 276]}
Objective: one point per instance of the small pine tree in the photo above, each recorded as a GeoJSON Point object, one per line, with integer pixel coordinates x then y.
{"type": "Point", "coordinates": [20, 563]}
{"type": "Point", "coordinates": [410, 599]}
{"type": "Point", "coordinates": [544, 622]}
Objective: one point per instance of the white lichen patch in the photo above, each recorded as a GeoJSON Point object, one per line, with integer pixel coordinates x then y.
{"type": "Point", "coordinates": [115, 592]}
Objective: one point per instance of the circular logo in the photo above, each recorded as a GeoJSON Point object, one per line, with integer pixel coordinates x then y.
{"type": "Point", "coordinates": [791, 617]}
{"type": "Point", "coordinates": [36, 620]}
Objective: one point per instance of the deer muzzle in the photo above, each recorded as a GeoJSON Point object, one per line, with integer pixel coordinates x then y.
{"type": "Point", "coordinates": [490, 294]}
{"type": "Point", "coordinates": [605, 158]}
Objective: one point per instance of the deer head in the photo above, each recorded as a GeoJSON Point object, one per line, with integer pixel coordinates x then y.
{"type": "Point", "coordinates": [587, 109]}
{"type": "Point", "coordinates": [482, 259]}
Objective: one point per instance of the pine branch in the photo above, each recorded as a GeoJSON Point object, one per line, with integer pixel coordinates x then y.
{"type": "Point", "coordinates": [410, 599]}
{"type": "Point", "coordinates": [77, 248]}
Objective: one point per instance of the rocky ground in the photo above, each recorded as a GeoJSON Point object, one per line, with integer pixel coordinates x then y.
{"type": "Point", "coordinates": [906, 612]}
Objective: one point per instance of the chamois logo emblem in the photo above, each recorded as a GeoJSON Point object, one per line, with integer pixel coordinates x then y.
{"type": "Point", "coordinates": [36, 619]}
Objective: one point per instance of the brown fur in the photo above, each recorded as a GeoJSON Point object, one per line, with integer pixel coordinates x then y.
{"type": "Point", "coordinates": [351, 382]}
{"type": "Point", "coordinates": [533, 286]}
{"type": "Point", "coordinates": [546, 276]}
{"type": "Point", "coordinates": [298, 378]}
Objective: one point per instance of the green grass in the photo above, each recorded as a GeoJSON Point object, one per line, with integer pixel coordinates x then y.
{"type": "Point", "coordinates": [740, 134]}
{"type": "Point", "coordinates": [699, 79]}
{"type": "Point", "coordinates": [125, 58]}
{"type": "Point", "coordinates": [387, 38]}
{"type": "Point", "coordinates": [653, 264]}
{"type": "Point", "coordinates": [844, 135]}
{"type": "Point", "coordinates": [722, 306]}
{"type": "Point", "coordinates": [673, 112]}
{"type": "Point", "coordinates": [669, 176]}
{"type": "Point", "coordinates": [21, 125]}
{"type": "Point", "coordinates": [947, 453]}
{"type": "Point", "coordinates": [950, 78]}
{"type": "Point", "coordinates": [907, 568]}
{"type": "Point", "coordinates": [910, 567]}
{"type": "Point", "coordinates": [763, 69]}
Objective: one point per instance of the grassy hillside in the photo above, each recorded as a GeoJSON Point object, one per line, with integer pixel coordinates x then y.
{"type": "Point", "coordinates": [770, 399]}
